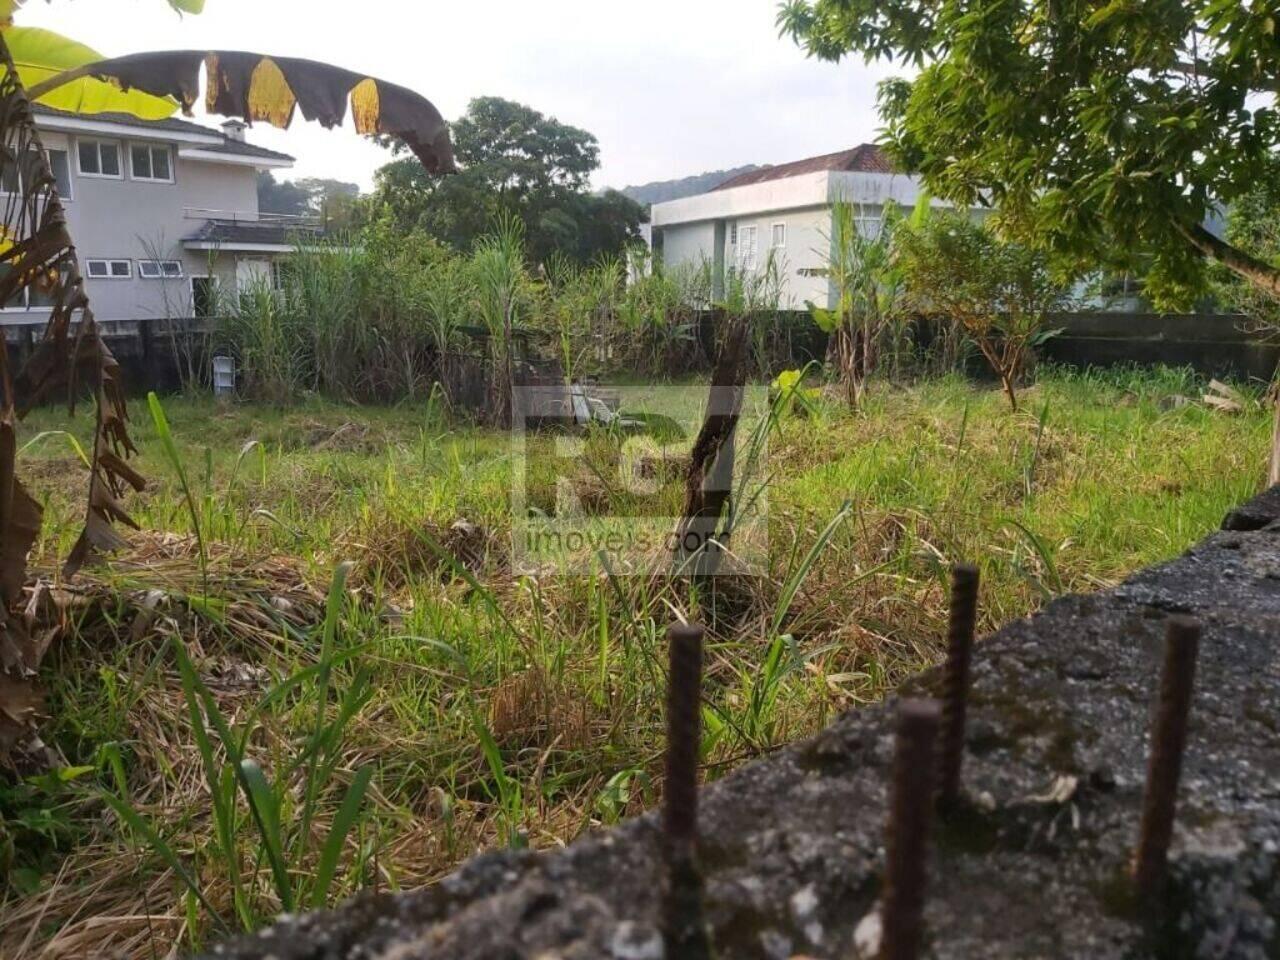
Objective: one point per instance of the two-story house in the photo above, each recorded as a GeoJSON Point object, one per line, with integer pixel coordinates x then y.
{"type": "Point", "coordinates": [783, 213]}
{"type": "Point", "coordinates": [160, 211]}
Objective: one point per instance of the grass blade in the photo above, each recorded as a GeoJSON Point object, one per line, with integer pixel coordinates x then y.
{"type": "Point", "coordinates": [346, 818]}
{"type": "Point", "coordinates": [266, 813]}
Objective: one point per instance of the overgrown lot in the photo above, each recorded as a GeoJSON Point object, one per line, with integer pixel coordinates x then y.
{"type": "Point", "coordinates": [431, 705]}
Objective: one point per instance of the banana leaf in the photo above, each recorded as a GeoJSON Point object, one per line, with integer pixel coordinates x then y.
{"type": "Point", "coordinates": [42, 54]}
{"type": "Point", "coordinates": [253, 87]}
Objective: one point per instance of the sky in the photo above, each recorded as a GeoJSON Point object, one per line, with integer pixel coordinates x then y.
{"type": "Point", "coordinates": [670, 88]}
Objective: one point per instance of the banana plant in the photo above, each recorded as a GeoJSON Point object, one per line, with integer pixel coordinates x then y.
{"type": "Point", "coordinates": [36, 250]}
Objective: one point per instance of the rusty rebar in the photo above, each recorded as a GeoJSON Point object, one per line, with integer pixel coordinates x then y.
{"type": "Point", "coordinates": [684, 932]}
{"type": "Point", "coordinates": [907, 838]}
{"type": "Point", "coordinates": [1164, 763]}
{"type": "Point", "coordinates": [955, 681]}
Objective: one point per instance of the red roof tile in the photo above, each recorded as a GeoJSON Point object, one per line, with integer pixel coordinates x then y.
{"type": "Point", "coordinates": [864, 158]}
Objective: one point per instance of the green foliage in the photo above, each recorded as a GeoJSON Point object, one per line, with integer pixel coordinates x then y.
{"type": "Point", "coordinates": [36, 823]}
{"type": "Point", "coordinates": [1104, 133]}
{"type": "Point", "coordinates": [504, 291]}
{"type": "Point", "coordinates": [515, 161]}
{"type": "Point", "coordinates": [282, 811]}
{"type": "Point", "coordinates": [996, 291]}
{"type": "Point", "coordinates": [1117, 474]}
{"type": "Point", "coordinates": [335, 203]}
{"type": "Point", "coordinates": [867, 284]}
{"type": "Point", "coordinates": [386, 316]}
{"type": "Point", "coordinates": [1253, 225]}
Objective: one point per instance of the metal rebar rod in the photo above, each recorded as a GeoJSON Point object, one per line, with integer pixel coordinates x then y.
{"type": "Point", "coordinates": [684, 932]}
{"type": "Point", "coordinates": [907, 839]}
{"type": "Point", "coordinates": [963, 618]}
{"type": "Point", "coordinates": [1164, 763]}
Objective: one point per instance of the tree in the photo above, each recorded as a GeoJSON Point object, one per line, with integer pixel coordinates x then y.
{"type": "Point", "coordinates": [521, 162]}
{"type": "Point", "coordinates": [1103, 132]}
{"type": "Point", "coordinates": [281, 196]}
{"type": "Point", "coordinates": [998, 292]}
{"type": "Point", "coordinates": [333, 202]}
{"type": "Point", "coordinates": [1253, 225]}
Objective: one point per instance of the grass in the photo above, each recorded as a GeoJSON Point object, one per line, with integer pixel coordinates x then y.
{"type": "Point", "coordinates": [233, 729]}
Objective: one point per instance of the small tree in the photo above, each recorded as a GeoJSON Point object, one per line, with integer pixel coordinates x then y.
{"type": "Point", "coordinates": [998, 292]}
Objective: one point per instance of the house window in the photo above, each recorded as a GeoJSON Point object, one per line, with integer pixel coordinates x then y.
{"type": "Point", "coordinates": [109, 269]}
{"type": "Point", "coordinates": [150, 162]}
{"type": "Point", "coordinates": [160, 269]}
{"type": "Point", "coordinates": [60, 163]}
{"type": "Point", "coordinates": [204, 297]}
{"type": "Point", "coordinates": [99, 158]}
{"type": "Point", "coordinates": [747, 248]}
{"type": "Point", "coordinates": [733, 234]}
{"type": "Point", "coordinates": [778, 240]}
{"type": "Point", "coordinates": [11, 178]}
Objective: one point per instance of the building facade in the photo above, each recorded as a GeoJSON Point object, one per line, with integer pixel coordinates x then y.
{"type": "Point", "coordinates": [782, 212]}
{"type": "Point", "coordinates": [160, 212]}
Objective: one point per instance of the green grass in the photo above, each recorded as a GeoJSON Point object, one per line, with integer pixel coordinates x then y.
{"type": "Point", "coordinates": [487, 709]}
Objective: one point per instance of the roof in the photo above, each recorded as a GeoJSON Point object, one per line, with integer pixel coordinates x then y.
{"type": "Point", "coordinates": [171, 125]}
{"type": "Point", "coordinates": [864, 158]}
{"type": "Point", "coordinates": [239, 148]}
{"type": "Point", "coordinates": [232, 233]}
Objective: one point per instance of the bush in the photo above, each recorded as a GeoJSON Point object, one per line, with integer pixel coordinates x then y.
{"type": "Point", "coordinates": [997, 292]}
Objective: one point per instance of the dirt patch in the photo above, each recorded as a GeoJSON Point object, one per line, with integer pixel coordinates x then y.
{"type": "Point", "coordinates": [66, 478]}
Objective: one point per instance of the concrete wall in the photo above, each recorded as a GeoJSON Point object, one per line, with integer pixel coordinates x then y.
{"type": "Point", "coordinates": [689, 244]}
{"type": "Point", "coordinates": [1213, 344]}
{"type": "Point", "coordinates": [129, 219]}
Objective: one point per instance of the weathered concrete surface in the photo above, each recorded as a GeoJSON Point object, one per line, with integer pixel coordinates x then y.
{"type": "Point", "coordinates": [1055, 764]}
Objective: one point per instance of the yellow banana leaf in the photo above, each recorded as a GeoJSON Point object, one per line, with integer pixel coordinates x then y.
{"type": "Point", "coordinates": [41, 54]}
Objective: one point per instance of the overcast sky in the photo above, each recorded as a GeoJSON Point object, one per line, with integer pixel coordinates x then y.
{"type": "Point", "coordinates": [669, 87]}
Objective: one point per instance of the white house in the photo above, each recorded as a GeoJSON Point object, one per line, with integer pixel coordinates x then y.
{"type": "Point", "coordinates": [783, 210]}
{"type": "Point", "coordinates": [159, 211]}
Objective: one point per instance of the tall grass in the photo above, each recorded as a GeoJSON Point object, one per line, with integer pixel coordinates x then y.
{"type": "Point", "coordinates": [502, 292]}
{"type": "Point", "coordinates": [386, 317]}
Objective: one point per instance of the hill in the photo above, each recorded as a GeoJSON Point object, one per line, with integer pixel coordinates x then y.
{"type": "Point", "coordinates": [661, 190]}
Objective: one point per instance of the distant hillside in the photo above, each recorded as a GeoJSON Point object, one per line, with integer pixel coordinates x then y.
{"type": "Point", "coordinates": [662, 190]}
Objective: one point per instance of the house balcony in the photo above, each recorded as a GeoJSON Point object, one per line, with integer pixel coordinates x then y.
{"type": "Point", "coordinates": [249, 231]}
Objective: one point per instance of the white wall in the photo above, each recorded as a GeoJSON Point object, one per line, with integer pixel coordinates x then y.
{"type": "Point", "coordinates": [808, 190]}
{"type": "Point", "coordinates": [688, 244]}
{"type": "Point", "coordinates": [808, 240]}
